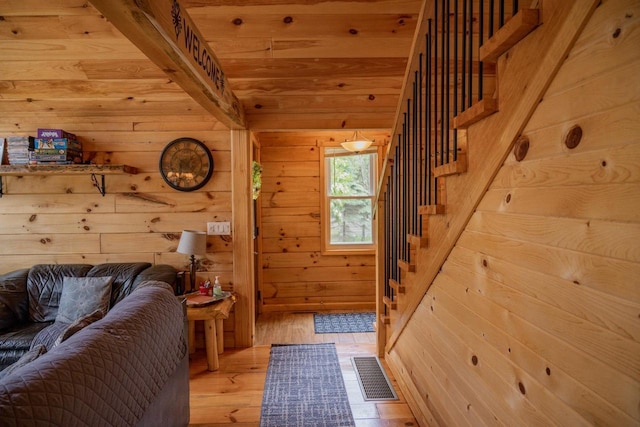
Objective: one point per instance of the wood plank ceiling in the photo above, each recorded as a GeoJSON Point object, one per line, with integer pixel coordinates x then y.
{"type": "Point", "coordinates": [305, 64]}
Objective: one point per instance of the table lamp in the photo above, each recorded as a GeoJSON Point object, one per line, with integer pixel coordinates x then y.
{"type": "Point", "coordinates": [193, 243]}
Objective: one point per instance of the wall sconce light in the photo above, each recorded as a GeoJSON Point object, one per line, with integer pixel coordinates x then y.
{"type": "Point", "coordinates": [357, 143]}
{"type": "Point", "coordinates": [193, 243]}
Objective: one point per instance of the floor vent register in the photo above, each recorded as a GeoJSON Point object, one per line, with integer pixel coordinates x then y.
{"type": "Point", "coordinates": [373, 381]}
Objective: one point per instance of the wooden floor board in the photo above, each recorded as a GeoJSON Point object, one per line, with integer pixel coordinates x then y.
{"type": "Point", "coordinates": [233, 394]}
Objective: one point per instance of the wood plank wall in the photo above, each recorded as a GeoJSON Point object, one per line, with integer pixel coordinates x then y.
{"type": "Point", "coordinates": [65, 66]}
{"type": "Point", "coordinates": [63, 219]}
{"type": "Point", "coordinates": [533, 319]}
{"type": "Point", "coordinates": [295, 275]}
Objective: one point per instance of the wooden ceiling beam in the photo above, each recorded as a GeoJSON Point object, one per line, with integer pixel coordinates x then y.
{"type": "Point", "coordinates": [179, 50]}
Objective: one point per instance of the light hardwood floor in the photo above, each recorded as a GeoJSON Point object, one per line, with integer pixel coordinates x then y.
{"type": "Point", "coordinates": [233, 394]}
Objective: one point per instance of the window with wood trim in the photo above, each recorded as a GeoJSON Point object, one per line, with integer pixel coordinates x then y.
{"type": "Point", "coordinates": [348, 195]}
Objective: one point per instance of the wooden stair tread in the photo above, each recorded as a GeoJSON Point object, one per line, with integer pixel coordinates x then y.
{"type": "Point", "coordinates": [418, 241]}
{"type": "Point", "coordinates": [390, 303]}
{"type": "Point", "coordinates": [398, 287]}
{"type": "Point", "coordinates": [452, 168]}
{"type": "Point", "coordinates": [431, 209]}
{"type": "Point", "coordinates": [406, 266]}
{"type": "Point", "coordinates": [475, 113]}
{"type": "Point", "coordinates": [517, 28]}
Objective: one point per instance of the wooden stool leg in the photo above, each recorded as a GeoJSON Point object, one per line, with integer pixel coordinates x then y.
{"type": "Point", "coordinates": [220, 335]}
{"type": "Point", "coordinates": [211, 344]}
{"type": "Point", "coordinates": [192, 336]}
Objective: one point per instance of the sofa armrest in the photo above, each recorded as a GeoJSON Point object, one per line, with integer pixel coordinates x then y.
{"type": "Point", "coordinates": [160, 272]}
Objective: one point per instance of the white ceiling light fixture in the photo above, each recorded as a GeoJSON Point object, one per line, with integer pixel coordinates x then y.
{"type": "Point", "coordinates": [357, 143]}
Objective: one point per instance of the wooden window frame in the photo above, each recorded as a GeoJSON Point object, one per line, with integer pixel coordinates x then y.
{"type": "Point", "coordinates": [325, 223]}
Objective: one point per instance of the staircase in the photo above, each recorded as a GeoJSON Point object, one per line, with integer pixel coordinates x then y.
{"type": "Point", "coordinates": [451, 84]}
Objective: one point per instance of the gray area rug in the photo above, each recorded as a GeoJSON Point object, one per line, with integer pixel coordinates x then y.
{"type": "Point", "coordinates": [304, 387]}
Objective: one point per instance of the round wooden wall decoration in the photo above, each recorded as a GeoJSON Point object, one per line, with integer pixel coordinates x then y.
{"type": "Point", "coordinates": [186, 164]}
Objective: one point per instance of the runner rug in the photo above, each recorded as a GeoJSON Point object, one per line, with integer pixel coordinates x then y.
{"type": "Point", "coordinates": [304, 387]}
{"type": "Point", "coordinates": [340, 323]}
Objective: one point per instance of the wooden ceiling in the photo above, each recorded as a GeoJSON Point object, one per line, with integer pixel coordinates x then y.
{"type": "Point", "coordinates": [305, 64]}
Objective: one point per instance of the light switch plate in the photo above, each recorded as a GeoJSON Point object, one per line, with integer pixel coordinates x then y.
{"type": "Point", "coordinates": [219, 228]}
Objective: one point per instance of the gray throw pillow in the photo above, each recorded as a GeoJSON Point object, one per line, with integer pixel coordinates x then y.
{"type": "Point", "coordinates": [76, 326]}
{"type": "Point", "coordinates": [82, 296]}
{"type": "Point", "coordinates": [29, 356]}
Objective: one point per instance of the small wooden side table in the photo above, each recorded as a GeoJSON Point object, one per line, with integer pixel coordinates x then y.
{"type": "Point", "coordinates": [213, 311]}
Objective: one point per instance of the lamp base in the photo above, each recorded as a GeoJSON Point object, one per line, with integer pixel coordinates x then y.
{"type": "Point", "coordinates": [192, 274]}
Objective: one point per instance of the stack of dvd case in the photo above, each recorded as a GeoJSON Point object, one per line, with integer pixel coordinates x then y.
{"type": "Point", "coordinates": [19, 148]}
{"type": "Point", "coordinates": [55, 146]}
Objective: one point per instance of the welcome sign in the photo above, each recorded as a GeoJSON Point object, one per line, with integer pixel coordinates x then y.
{"type": "Point", "coordinates": [196, 47]}
{"type": "Point", "coordinates": [166, 34]}
{"type": "Point", "coordinates": [174, 22]}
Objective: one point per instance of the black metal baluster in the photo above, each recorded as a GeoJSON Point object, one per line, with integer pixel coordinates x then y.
{"type": "Point", "coordinates": [455, 76]}
{"type": "Point", "coordinates": [387, 234]}
{"type": "Point", "coordinates": [410, 180]}
{"type": "Point", "coordinates": [470, 53]}
{"type": "Point", "coordinates": [435, 100]}
{"type": "Point", "coordinates": [390, 220]}
{"type": "Point", "coordinates": [514, 8]}
{"type": "Point", "coordinates": [420, 135]}
{"type": "Point", "coordinates": [407, 176]}
{"type": "Point", "coordinates": [435, 84]}
{"type": "Point", "coordinates": [435, 190]}
{"type": "Point", "coordinates": [500, 13]}
{"type": "Point", "coordinates": [447, 58]}
{"type": "Point", "coordinates": [442, 90]}
{"type": "Point", "coordinates": [396, 212]}
{"type": "Point", "coordinates": [480, 42]}
{"type": "Point", "coordinates": [405, 210]}
{"type": "Point", "coordinates": [414, 161]}
{"type": "Point", "coordinates": [491, 12]}
{"type": "Point", "coordinates": [406, 189]}
{"type": "Point", "coordinates": [428, 112]}
{"type": "Point", "coordinates": [463, 74]}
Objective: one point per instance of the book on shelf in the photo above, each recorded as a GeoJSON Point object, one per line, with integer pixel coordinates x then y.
{"type": "Point", "coordinates": [3, 152]}
{"type": "Point", "coordinates": [54, 133]}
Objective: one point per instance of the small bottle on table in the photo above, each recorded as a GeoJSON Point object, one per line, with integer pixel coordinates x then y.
{"type": "Point", "coordinates": [217, 289]}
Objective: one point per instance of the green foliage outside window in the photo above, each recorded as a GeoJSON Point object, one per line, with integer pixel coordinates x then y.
{"type": "Point", "coordinates": [256, 183]}
{"type": "Point", "coordinates": [350, 192]}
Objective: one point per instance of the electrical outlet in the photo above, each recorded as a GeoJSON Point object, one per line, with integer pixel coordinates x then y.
{"type": "Point", "coordinates": [219, 228]}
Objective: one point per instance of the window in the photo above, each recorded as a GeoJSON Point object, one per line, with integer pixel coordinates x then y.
{"type": "Point", "coordinates": [349, 186]}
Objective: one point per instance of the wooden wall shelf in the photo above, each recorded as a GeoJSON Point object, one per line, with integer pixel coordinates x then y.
{"type": "Point", "coordinates": [93, 170]}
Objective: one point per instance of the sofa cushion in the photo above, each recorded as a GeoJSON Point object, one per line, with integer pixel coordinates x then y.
{"type": "Point", "coordinates": [44, 286]}
{"type": "Point", "coordinates": [82, 296]}
{"type": "Point", "coordinates": [14, 307]}
{"type": "Point", "coordinates": [28, 357]}
{"type": "Point", "coordinates": [123, 273]}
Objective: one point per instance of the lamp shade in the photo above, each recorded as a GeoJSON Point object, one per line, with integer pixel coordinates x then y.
{"type": "Point", "coordinates": [357, 144]}
{"type": "Point", "coordinates": [193, 242]}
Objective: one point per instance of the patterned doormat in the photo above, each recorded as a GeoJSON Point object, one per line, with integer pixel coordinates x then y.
{"type": "Point", "coordinates": [341, 323]}
{"type": "Point", "coordinates": [304, 387]}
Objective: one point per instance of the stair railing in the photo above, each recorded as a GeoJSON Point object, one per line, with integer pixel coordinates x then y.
{"type": "Point", "coordinates": [445, 81]}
